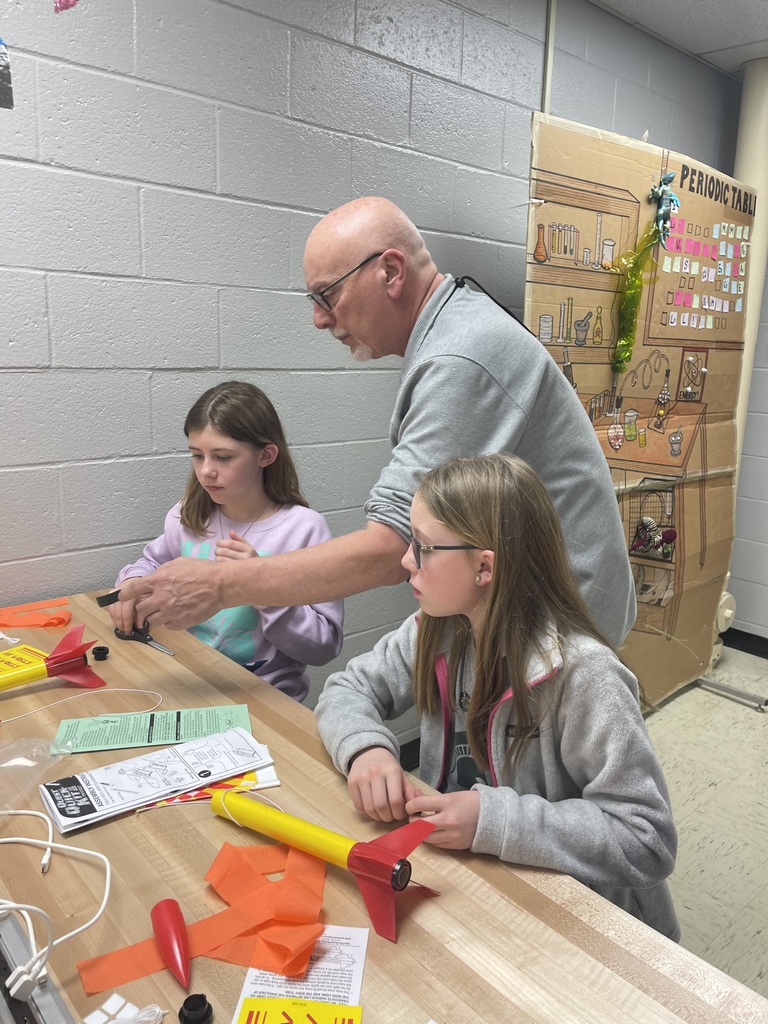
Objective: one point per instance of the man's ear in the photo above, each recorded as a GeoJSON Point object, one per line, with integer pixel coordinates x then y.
{"type": "Point", "coordinates": [395, 270]}
{"type": "Point", "coordinates": [268, 454]}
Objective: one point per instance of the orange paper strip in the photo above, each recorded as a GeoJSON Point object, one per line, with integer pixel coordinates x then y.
{"type": "Point", "coordinates": [270, 925]}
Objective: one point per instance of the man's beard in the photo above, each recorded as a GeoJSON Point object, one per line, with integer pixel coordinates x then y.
{"type": "Point", "coordinates": [361, 353]}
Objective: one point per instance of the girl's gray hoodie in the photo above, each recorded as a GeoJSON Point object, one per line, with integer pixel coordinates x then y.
{"type": "Point", "coordinates": [588, 797]}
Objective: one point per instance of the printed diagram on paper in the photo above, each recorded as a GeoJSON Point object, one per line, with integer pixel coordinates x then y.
{"type": "Point", "coordinates": [90, 796]}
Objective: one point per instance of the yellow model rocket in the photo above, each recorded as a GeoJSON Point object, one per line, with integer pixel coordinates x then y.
{"type": "Point", "coordinates": [25, 664]}
{"type": "Point", "coordinates": [380, 867]}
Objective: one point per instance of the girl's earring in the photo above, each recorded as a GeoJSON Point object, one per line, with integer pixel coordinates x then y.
{"type": "Point", "coordinates": [478, 579]}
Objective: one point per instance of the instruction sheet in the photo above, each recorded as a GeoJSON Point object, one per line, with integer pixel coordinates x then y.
{"type": "Point", "coordinates": [145, 729]}
{"type": "Point", "coordinates": [92, 796]}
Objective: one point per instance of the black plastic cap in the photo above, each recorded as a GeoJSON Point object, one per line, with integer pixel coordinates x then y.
{"type": "Point", "coordinates": [100, 653]}
{"type": "Point", "coordinates": [195, 1010]}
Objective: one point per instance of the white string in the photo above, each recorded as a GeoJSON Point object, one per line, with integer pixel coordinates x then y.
{"type": "Point", "coordinates": [239, 789]}
{"type": "Point", "coordinates": [91, 693]}
{"type": "Point", "coordinates": [151, 1014]}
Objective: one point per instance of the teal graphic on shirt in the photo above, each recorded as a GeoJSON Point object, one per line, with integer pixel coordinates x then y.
{"type": "Point", "coordinates": [231, 630]}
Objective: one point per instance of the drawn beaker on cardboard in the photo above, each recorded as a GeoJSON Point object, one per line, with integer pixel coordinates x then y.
{"type": "Point", "coordinates": [642, 437]}
{"type": "Point", "coordinates": [545, 328]}
{"type": "Point", "coordinates": [630, 425]}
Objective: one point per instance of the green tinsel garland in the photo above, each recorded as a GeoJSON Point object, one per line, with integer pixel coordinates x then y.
{"type": "Point", "coordinates": [633, 265]}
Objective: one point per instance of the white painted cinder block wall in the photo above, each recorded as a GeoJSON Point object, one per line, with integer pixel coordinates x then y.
{"type": "Point", "coordinates": [159, 174]}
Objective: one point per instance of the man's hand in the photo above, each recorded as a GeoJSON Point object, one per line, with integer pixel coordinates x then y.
{"type": "Point", "coordinates": [180, 594]}
{"type": "Point", "coordinates": [123, 615]}
{"type": "Point", "coordinates": [378, 785]}
{"type": "Point", "coordinates": [235, 547]}
{"type": "Point", "coordinates": [454, 815]}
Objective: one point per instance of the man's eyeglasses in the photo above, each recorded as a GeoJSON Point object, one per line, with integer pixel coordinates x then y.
{"type": "Point", "coordinates": [319, 297]}
{"type": "Point", "coordinates": [418, 549]}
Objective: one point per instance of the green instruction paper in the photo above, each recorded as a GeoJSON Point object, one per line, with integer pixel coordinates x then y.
{"type": "Point", "coordinates": [152, 728]}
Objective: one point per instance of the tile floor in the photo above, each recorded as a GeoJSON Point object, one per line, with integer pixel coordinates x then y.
{"type": "Point", "coordinates": [714, 750]}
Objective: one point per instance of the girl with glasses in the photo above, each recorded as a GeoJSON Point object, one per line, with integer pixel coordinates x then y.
{"type": "Point", "coordinates": [243, 500]}
{"type": "Point", "coordinates": [530, 725]}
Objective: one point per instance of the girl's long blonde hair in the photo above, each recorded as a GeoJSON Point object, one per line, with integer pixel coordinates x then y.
{"type": "Point", "coordinates": [498, 503]}
{"type": "Point", "coordinates": [243, 412]}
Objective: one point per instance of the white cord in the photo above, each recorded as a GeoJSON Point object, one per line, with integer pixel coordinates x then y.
{"type": "Point", "coordinates": [91, 693]}
{"type": "Point", "coordinates": [24, 979]}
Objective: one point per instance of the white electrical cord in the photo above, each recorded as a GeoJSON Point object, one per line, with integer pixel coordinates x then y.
{"type": "Point", "coordinates": [25, 978]}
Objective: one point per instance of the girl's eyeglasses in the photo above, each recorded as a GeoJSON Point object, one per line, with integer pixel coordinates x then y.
{"type": "Point", "coordinates": [417, 549]}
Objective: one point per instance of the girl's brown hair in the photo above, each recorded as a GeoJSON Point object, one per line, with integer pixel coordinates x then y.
{"type": "Point", "coordinates": [498, 503]}
{"type": "Point", "coordinates": [243, 412]}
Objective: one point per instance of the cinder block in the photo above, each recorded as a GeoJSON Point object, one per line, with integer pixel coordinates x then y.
{"type": "Point", "coordinates": [337, 87]}
{"type": "Point", "coordinates": [490, 205]}
{"type": "Point", "coordinates": [125, 500]}
{"type": "Point", "coordinates": [344, 406]}
{"type": "Point", "coordinates": [58, 220]}
{"type": "Point", "coordinates": [213, 50]}
{"type": "Point", "coordinates": [321, 474]}
{"type": "Point", "coordinates": [753, 478]}
{"type": "Point", "coordinates": [421, 185]}
{"type": "Point", "coordinates": [19, 135]}
{"type": "Point", "coordinates": [500, 269]}
{"type": "Point", "coordinates": [502, 62]}
{"type": "Point", "coordinates": [497, 10]}
{"type": "Point", "coordinates": [99, 35]}
{"type": "Point", "coordinates": [695, 134]}
{"type": "Point", "coordinates": [385, 604]}
{"type": "Point", "coordinates": [457, 124]}
{"type": "Point", "coordinates": [617, 47]}
{"type": "Point", "coordinates": [301, 226]}
{"type": "Point", "coordinates": [24, 336]}
{"type": "Point", "coordinates": [363, 463]}
{"type": "Point", "coordinates": [335, 20]}
{"type": "Point", "coordinates": [69, 573]}
{"type": "Point", "coordinates": [421, 33]}
{"type": "Point", "coordinates": [282, 162]}
{"type": "Point", "coordinates": [113, 126]}
{"type": "Point", "coordinates": [61, 416]}
{"type": "Point", "coordinates": [517, 141]}
{"type": "Point", "coordinates": [273, 331]}
{"type": "Point", "coordinates": [750, 521]}
{"type": "Point", "coordinates": [30, 506]}
{"type": "Point", "coordinates": [172, 395]}
{"type": "Point", "coordinates": [104, 322]}
{"type": "Point", "coordinates": [633, 115]}
{"type": "Point", "coordinates": [215, 241]}
{"type": "Point", "coordinates": [578, 86]}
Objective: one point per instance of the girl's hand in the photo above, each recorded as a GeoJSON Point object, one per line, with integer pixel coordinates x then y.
{"type": "Point", "coordinates": [235, 547]}
{"type": "Point", "coordinates": [454, 815]}
{"type": "Point", "coordinates": [378, 785]}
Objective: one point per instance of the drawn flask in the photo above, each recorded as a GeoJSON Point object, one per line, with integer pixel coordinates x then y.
{"type": "Point", "coordinates": [597, 331]}
{"type": "Point", "coordinates": [540, 252]}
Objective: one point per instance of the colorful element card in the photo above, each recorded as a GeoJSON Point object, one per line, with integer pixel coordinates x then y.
{"type": "Point", "coordinates": [152, 728]}
{"type": "Point", "coordinates": [335, 972]}
{"type": "Point", "coordinates": [92, 796]}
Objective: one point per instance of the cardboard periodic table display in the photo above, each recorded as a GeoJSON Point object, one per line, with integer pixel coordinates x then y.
{"type": "Point", "coordinates": [666, 417]}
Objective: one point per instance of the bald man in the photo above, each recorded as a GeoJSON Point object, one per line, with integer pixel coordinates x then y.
{"type": "Point", "coordinates": [473, 381]}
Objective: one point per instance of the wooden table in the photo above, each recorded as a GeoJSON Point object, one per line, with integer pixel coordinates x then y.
{"type": "Point", "coordinates": [500, 945]}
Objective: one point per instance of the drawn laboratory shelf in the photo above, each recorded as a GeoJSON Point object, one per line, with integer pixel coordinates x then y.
{"type": "Point", "coordinates": [582, 228]}
{"type": "Point", "coordinates": [652, 481]}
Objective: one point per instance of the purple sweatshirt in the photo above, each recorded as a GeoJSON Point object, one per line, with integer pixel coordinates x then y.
{"type": "Point", "coordinates": [275, 643]}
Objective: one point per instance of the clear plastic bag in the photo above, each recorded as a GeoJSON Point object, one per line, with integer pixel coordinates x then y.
{"type": "Point", "coordinates": [24, 764]}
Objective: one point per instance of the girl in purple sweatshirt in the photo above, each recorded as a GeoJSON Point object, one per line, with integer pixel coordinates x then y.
{"type": "Point", "coordinates": [243, 500]}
